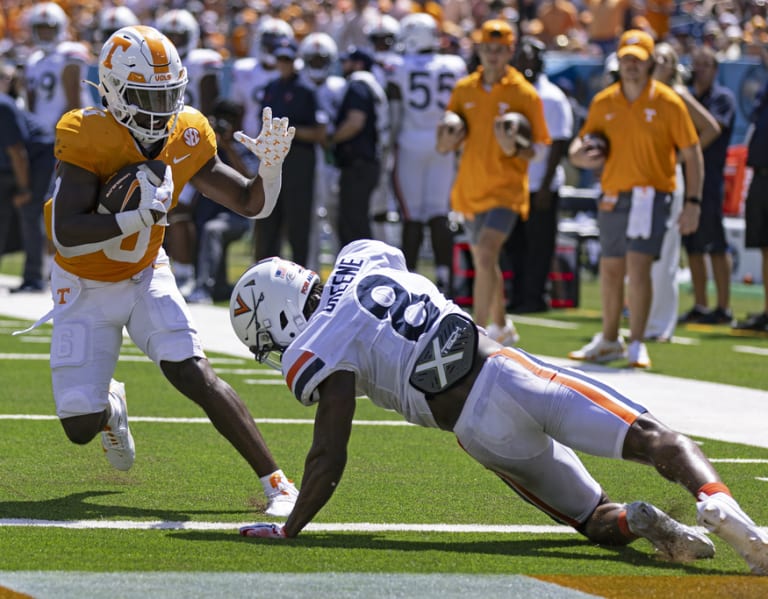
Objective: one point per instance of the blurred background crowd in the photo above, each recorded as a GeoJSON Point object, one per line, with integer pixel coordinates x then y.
{"type": "Point", "coordinates": [578, 38]}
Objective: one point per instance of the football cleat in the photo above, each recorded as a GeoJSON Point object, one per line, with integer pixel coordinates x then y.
{"type": "Point", "coordinates": [637, 355]}
{"type": "Point", "coordinates": [721, 515]}
{"type": "Point", "coordinates": [116, 438]}
{"type": "Point", "coordinates": [673, 541]}
{"type": "Point", "coordinates": [281, 496]}
{"type": "Point", "coordinates": [506, 335]}
{"type": "Point", "coordinates": [598, 350]}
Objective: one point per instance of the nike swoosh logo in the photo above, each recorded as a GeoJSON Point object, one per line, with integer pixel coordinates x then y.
{"type": "Point", "coordinates": [177, 159]}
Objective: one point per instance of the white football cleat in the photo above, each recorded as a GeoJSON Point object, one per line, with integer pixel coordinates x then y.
{"type": "Point", "coordinates": [116, 439]}
{"type": "Point", "coordinates": [281, 496]}
{"type": "Point", "coordinates": [598, 350]}
{"type": "Point", "coordinates": [506, 335]}
{"type": "Point", "coordinates": [673, 541]}
{"type": "Point", "coordinates": [721, 515]}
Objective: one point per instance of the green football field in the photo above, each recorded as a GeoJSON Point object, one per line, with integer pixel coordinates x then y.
{"type": "Point", "coordinates": [413, 515]}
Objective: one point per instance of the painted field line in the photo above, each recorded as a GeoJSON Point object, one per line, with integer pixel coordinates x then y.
{"type": "Point", "coordinates": [167, 420]}
{"type": "Point", "coordinates": [311, 527]}
{"type": "Point", "coordinates": [749, 349]}
{"type": "Point", "coordinates": [123, 358]}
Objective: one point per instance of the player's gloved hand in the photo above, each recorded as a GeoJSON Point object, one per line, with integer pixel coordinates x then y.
{"type": "Point", "coordinates": [264, 530]}
{"type": "Point", "coordinates": [271, 146]}
{"type": "Point", "coordinates": [155, 195]}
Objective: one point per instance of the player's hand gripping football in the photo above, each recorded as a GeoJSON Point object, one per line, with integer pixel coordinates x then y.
{"type": "Point", "coordinates": [155, 198]}
{"type": "Point", "coordinates": [271, 146]}
{"type": "Point", "coordinates": [263, 530]}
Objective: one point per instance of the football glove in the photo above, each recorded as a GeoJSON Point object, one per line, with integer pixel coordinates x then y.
{"type": "Point", "coordinates": [264, 530]}
{"type": "Point", "coordinates": [271, 146]}
{"type": "Point", "coordinates": [155, 197]}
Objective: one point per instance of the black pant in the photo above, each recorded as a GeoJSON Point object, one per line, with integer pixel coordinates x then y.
{"type": "Point", "coordinates": [356, 184]}
{"type": "Point", "coordinates": [530, 249]}
{"type": "Point", "coordinates": [30, 215]}
{"type": "Point", "coordinates": [293, 210]}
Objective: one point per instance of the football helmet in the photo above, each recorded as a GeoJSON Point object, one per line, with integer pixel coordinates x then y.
{"type": "Point", "coordinates": [44, 16]}
{"type": "Point", "coordinates": [113, 18]}
{"type": "Point", "coordinates": [319, 53]}
{"type": "Point", "coordinates": [418, 34]}
{"type": "Point", "coordinates": [383, 32]}
{"type": "Point", "coordinates": [181, 27]}
{"type": "Point", "coordinates": [269, 31]}
{"type": "Point", "coordinates": [142, 81]}
{"type": "Point", "coordinates": [267, 307]}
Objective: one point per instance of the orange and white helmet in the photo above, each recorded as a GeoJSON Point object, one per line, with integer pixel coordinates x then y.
{"type": "Point", "coordinates": [142, 81]}
{"type": "Point", "coordinates": [181, 27]}
{"type": "Point", "coordinates": [48, 15]}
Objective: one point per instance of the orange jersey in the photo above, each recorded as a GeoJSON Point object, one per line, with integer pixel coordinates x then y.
{"type": "Point", "coordinates": [644, 136]}
{"type": "Point", "coordinates": [91, 139]}
{"type": "Point", "coordinates": [487, 178]}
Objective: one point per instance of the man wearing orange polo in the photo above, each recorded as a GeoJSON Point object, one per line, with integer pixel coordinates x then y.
{"type": "Point", "coordinates": [646, 124]}
{"type": "Point", "coordinates": [491, 186]}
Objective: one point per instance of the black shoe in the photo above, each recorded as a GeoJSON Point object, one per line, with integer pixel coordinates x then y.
{"type": "Point", "coordinates": [29, 287]}
{"type": "Point", "coordinates": [695, 314]}
{"type": "Point", "coordinates": [758, 322]}
{"type": "Point", "coordinates": [717, 316]}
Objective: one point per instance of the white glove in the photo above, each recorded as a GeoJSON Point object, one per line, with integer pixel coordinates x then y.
{"type": "Point", "coordinates": [153, 196]}
{"type": "Point", "coordinates": [264, 530]}
{"type": "Point", "coordinates": [271, 146]}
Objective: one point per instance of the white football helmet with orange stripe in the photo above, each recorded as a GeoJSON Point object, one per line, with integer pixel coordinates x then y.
{"type": "Point", "coordinates": [267, 306]}
{"type": "Point", "coordinates": [142, 81]}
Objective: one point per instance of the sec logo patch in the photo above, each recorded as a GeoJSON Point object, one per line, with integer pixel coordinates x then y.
{"type": "Point", "coordinates": [191, 136]}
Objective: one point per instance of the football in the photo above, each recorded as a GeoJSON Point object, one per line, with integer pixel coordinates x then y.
{"type": "Point", "coordinates": [121, 191]}
{"type": "Point", "coordinates": [596, 145]}
{"type": "Point", "coordinates": [453, 122]}
{"type": "Point", "coordinates": [519, 122]}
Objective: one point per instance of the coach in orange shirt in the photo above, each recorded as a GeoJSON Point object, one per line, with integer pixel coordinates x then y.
{"type": "Point", "coordinates": [491, 186]}
{"type": "Point", "coordinates": [646, 124]}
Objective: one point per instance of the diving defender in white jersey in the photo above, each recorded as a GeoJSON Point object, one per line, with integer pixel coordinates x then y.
{"type": "Point", "coordinates": [411, 350]}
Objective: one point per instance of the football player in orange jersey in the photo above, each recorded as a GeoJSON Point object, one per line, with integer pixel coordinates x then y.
{"type": "Point", "coordinates": [111, 271]}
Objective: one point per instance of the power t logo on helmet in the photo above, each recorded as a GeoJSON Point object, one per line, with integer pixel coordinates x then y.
{"type": "Point", "coordinates": [142, 81]}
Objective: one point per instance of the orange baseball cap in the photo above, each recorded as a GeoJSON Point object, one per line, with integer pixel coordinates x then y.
{"type": "Point", "coordinates": [637, 43]}
{"type": "Point", "coordinates": [496, 31]}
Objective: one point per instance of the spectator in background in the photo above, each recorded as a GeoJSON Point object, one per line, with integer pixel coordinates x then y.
{"type": "Point", "coordinates": [557, 18]}
{"type": "Point", "coordinates": [710, 238]}
{"type": "Point", "coordinates": [358, 139]}
{"type": "Point", "coordinates": [421, 86]}
{"type": "Point", "coordinates": [657, 14]}
{"type": "Point", "coordinates": [204, 67]}
{"type": "Point", "coordinates": [320, 54]}
{"type": "Point", "coordinates": [491, 186]}
{"type": "Point", "coordinates": [663, 317]}
{"type": "Point", "coordinates": [216, 225]}
{"type": "Point", "coordinates": [292, 98]}
{"type": "Point", "coordinates": [756, 205]}
{"type": "Point", "coordinates": [606, 22]}
{"type": "Point", "coordinates": [251, 74]}
{"type": "Point", "coordinates": [545, 177]}
{"type": "Point", "coordinates": [56, 68]}
{"type": "Point", "coordinates": [26, 167]}
{"type": "Point", "coordinates": [645, 124]}
{"type": "Point", "coordinates": [383, 34]}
